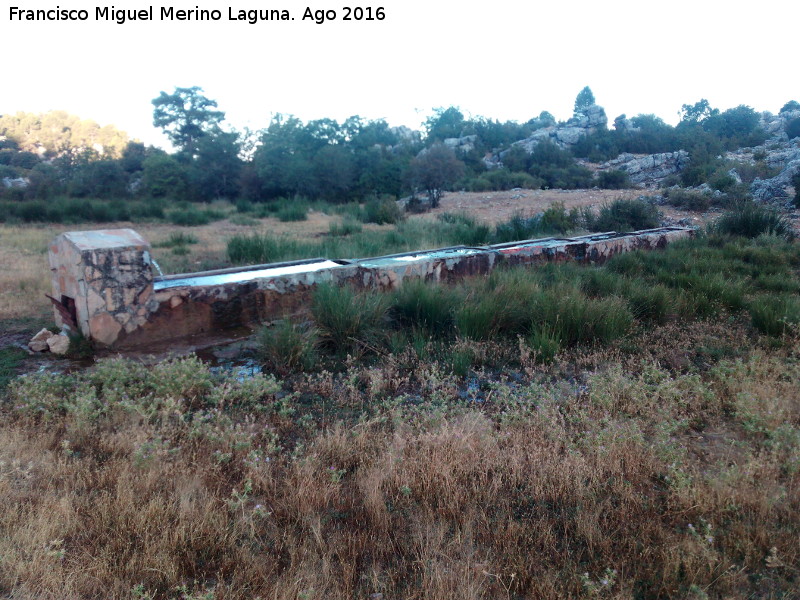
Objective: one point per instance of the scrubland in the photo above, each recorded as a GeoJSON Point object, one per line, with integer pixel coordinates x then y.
{"type": "Point", "coordinates": [625, 431]}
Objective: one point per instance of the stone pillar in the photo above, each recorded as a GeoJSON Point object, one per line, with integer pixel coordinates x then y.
{"type": "Point", "coordinates": [108, 277]}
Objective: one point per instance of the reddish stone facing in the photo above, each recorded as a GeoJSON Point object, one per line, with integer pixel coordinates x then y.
{"type": "Point", "coordinates": [107, 277]}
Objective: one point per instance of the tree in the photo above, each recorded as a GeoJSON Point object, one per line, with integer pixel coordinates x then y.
{"type": "Point", "coordinates": [584, 100]}
{"type": "Point", "coordinates": [185, 116]}
{"type": "Point", "coordinates": [791, 105]}
{"type": "Point", "coordinates": [163, 177]}
{"type": "Point", "coordinates": [215, 169]}
{"type": "Point", "coordinates": [56, 133]}
{"type": "Point", "coordinates": [444, 123]}
{"type": "Point", "coordinates": [434, 170]}
{"type": "Point", "coordinates": [697, 112]}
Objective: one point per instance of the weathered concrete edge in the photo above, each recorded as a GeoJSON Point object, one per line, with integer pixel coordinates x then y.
{"type": "Point", "coordinates": [152, 315]}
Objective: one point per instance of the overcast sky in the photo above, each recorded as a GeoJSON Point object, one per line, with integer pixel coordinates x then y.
{"type": "Point", "coordinates": [500, 59]}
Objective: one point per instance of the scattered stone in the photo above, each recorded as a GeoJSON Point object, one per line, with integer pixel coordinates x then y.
{"type": "Point", "coordinates": [38, 342]}
{"type": "Point", "coordinates": [58, 344]}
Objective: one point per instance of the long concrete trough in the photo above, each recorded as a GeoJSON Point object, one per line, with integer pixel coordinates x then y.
{"type": "Point", "coordinates": [104, 285]}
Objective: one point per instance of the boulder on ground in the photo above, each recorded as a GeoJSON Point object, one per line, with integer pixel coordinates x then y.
{"type": "Point", "coordinates": [38, 342]}
{"type": "Point", "coordinates": [58, 344]}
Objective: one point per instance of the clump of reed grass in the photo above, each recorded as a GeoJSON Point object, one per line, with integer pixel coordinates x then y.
{"type": "Point", "coordinates": [349, 321]}
{"type": "Point", "coordinates": [751, 220]}
{"type": "Point", "coordinates": [287, 346]}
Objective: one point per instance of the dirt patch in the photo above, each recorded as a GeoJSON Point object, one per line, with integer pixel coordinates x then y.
{"type": "Point", "coordinates": [496, 207]}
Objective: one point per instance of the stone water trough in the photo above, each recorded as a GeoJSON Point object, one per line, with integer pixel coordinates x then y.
{"type": "Point", "coordinates": [104, 285]}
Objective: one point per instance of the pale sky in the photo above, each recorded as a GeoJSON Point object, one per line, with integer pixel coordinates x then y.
{"type": "Point", "coordinates": [500, 59]}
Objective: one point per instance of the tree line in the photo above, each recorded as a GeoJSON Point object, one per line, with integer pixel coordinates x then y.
{"type": "Point", "coordinates": [59, 154]}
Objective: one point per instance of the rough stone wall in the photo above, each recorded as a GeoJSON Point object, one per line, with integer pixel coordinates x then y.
{"type": "Point", "coordinates": [109, 276]}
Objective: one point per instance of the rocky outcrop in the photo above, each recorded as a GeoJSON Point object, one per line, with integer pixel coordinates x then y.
{"type": "Point", "coordinates": [783, 157]}
{"type": "Point", "coordinates": [563, 135]}
{"type": "Point", "coordinates": [649, 170]}
{"type": "Point", "coordinates": [14, 182]}
{"type": "Point", "coordinates": [775, 125]}
{"type": "Point", "coordinates": [461, 145]}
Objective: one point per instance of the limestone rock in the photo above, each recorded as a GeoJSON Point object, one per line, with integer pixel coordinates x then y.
{"type": "Point", "coordinates": [58, 344]}
{"type": "Point", "coordinates": [651, 169]}
{"type": "Point", "coordinates": [462, 145]}
{"type": "Point", "coordinates": [38, 342]}
{"type": "Point", "coordinates": [563, 135]}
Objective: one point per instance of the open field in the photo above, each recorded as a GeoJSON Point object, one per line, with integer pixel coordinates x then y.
{"type": "Point", "coordinates": [629, 432]}
{"type": "Point", "coordinates": [23, 248]}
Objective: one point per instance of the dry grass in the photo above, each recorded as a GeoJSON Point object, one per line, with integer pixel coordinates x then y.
{"type": "Point", "coordinates": [643, 482]}
{"type": "Point", "coordinates": [25, 277]}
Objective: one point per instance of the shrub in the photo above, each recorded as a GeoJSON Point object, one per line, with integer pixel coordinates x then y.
{"type": "Point", "coordinates": [346, 320]}
{"type": "Point", "coordinates": [287, 346]}
{"type": "Point", "coordinates": [614, 179]}
{"type": "Point", "coordinates": [7, 172]}
{"type": "Point", "coordinates": [796, 185]}
{"type": "Point", "coordinates": [296, 211]}
{"type": "Point", "coordinates": [775, 315]}
{"type": "Point", "coordinates": [517, 228]}
{"type": "Point", "coordinates": [502, 179]}
{"type": "Point", "coordinates": [751, 220]}
{"type": "Point", "coordinates": [748, 172]}
{"type": "Point", "coordinates": [793, 128]}
{"type": "Point", "coordinates": [383, 212]}
{"type": "Point", "coordinates": [722, 180]}
{"type": "Point", "coordinates": [556, 219]}
{"type": "Point", "coordinates": [572, 318]}
{"type": "Point", "coordinates": [425, 305]}
{"type": "Point", "coordinates": [464, 229]}
{"type": "Point", "coordinates": [346, 227]}
{"type": "Point", "coordinates": [688, 199]}
{"type": "Point", "coordinates": [623, 215]}
{"type": "Point", "coordinates": [176, 238]}
{"type": "Point", "coordinates": [652, 303]}
{"type": "Point", "coordinates": [193, 217]}
{"type": "Point", "coordinates": [478, 184]}
{"type": "Point", "coordinates": [476, 317]}
{"type": "Point", "coordinates": [252, 249]}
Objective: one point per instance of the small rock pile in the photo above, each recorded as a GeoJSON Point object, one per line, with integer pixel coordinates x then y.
{"type": "Point", "coordinates": [47, 341]}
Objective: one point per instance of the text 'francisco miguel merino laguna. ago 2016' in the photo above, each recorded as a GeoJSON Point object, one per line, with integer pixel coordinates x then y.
{"type": "Point", "coordinates": [171, 13]}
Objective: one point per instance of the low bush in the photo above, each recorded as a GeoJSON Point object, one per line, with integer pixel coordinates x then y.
{"type": "Point", "coordinates": [296, 211]}
{"type": "Point", "coordinates": [623, 215]}
{"type": "Point", "coordinates": [614, 179]}
{"type": "Point", "coordinates": [193, 217]}
{"type": "Point", "coordinates": [345, 227]}
{"type": "Point", "coordinates": [349, 321]}
{"type": "Point", "coordinates": [177, 238]}
{"type": "Point", "coordinates": [287, 347]}
{"type": "Point", "coordinates": [461, 228]}
{"type": "Point", "coordinates": [253, 249]}
{"type": "Point", "coordinates": [751, 220]}
{"type": "Point", "coordinates": [688, 199]}
{"type": "Point", "coordinates": [382, 212]}
{"type": "Point", "coordinates": [426, 306]}
{"type": "Point", "coordinates": [775, 315]}
{"type": "Point", "coordinates": [79, 210]}
{"type": "Point", "coordinates": [571, 318]}
{"type": "Point", "coordinates": [556, 219]}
